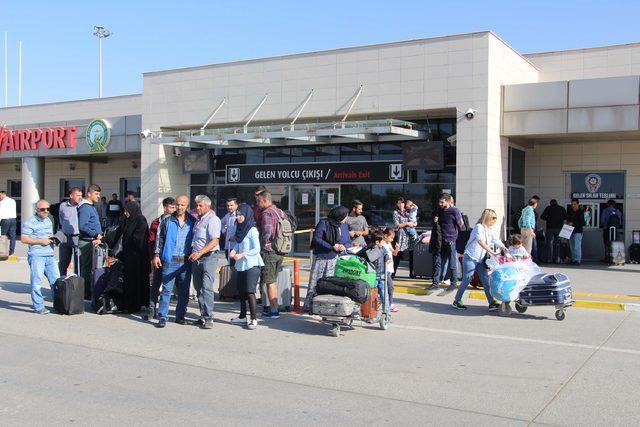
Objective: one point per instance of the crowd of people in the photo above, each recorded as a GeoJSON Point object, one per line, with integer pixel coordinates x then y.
{"type": "Point", "coordinates": [179, 249]}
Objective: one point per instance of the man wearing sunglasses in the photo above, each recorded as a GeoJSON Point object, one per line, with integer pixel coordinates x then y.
{"type": "Point", "coordinates": [37, 232]}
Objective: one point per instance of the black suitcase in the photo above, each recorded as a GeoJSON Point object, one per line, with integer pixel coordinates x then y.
{"type": "Point", "coordinates": [227, 283]}
{"type": "Point", "coordinates": [69, 295]}
{"type": "Point", "coordinates": [357, 290]}
{"type": "Point", "coordinates": [422, 262]}
{"type": "Point", "coordinates": [634, 253]}
{"type": "Point", "coordinates": [547, 289]}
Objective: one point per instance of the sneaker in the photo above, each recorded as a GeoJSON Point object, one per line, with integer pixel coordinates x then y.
{"type": "Point", "coordinates": [394, 309]}
{"type": "Point", "coordinates": [199, 322]}
{"type": "Point", "coordinates": [253, 324]}
{"type": "Point", "coordinates": [161, 323]}
{"type": "Point", "coordinates": [493, 306]}
{"type": "Point", "coordinates": [239, 321]}
{"type": "Point", "coordinates": [181, 321]}
{"type": "Point", "coordinates": [265, 310]}
{"type": "Point", "coordinates": [451, 288]}
{"type": "Point", "coordinates": [43, 311]}
{"type": "Point", "coordinates": [433, 287]}
{"type": "Point", "coordinates": [446, 282]}
{"type": "Point", "coordinates": [271, 315]}
{"type": "Point", "coordinates": [208, 324]}
{"type": "Point", "coordinates": [459, 306]}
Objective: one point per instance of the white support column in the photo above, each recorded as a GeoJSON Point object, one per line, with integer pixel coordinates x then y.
{"type": "Point", "coordinates": [32, 184]}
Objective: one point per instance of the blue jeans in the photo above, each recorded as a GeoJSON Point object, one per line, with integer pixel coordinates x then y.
{"type": "Point", "coordinates": [9, 227]}
{"type": "Point", "coordinates": [469, 267]}
{"type": "Point", "coordinates": [576, 247]}
{"type": "Point", "coordinates": [441, 261]}
{"type": "Point", "coordinates": [382, 296]}
{"type": "Point", "coordinates": [42, 265]}
{"type": "Point", "coordinates": [204, 276]}
{"type": "Point", "coordinates": [172, 271]}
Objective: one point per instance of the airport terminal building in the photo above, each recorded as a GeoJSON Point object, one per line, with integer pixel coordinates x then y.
{"type": "Point", "coordinates": [464, 114]}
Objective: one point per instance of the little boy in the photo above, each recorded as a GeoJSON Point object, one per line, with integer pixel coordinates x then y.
{"type": "Point", "coordinates": [516, 249]}
{"type": "Point", "coordinates": [411, 213]}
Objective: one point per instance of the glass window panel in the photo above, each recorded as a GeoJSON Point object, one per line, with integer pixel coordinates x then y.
{"type": "Point", "coordinates": [303, 154]}
{"type": "Point", "coordinates": [389, 151]}
{"type": "Point", "coordinates": [277, 154]}
{"type": "Point", "coordinates": [517, 166]}
{"type": "Point", "coordinates": [515, 201]}
{"type": "Point", "coordinates": [327, 153]}
{"type": "Point", "coordinates": [355, 152]}
{"type": "Point", "coordinates": [201, 178]}
{"type": "Point", "coordinates": [14, 189]}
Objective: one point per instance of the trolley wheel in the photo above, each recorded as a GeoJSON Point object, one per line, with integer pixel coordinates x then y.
{"type": "Point", "coordinates": [560, 314]}
{"type": "Point", "coordinates": [384, 321]}
{"type": "Point", "coordinates": [335, 331]}
{"type": "Point", "coordinates": [520, 308]}
{"type": "Point", "coordinates": [505, 309]}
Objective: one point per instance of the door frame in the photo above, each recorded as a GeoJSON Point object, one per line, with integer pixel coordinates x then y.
{"type": "Point", "coordinates": [317, 188]}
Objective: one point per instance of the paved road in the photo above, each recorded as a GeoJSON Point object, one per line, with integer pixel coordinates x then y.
{"type": "Point", "coordinates": [434, 366]}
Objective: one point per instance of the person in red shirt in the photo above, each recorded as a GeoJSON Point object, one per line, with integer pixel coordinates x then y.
{"type": "Point", "coordinates": [169, 206]}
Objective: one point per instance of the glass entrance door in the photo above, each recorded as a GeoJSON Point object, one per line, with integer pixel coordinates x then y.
{"type": "Point", "coordinates": [309, 205]}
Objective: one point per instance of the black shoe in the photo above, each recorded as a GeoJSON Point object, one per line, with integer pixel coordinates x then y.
{"type": "Point", "coordinates": [161, 323]}
{"type": "Point", "coordinates": [181, 321]}
{"type": "Point", "coordinates": [493, 306]}
{"type": "Point", "coordinates": [199, 322]}
{"type": "Point", "coordinates": [459, 306]}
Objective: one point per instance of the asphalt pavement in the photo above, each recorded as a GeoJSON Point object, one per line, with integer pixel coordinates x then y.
{"type": "Point", "coordinates": [433, 366]}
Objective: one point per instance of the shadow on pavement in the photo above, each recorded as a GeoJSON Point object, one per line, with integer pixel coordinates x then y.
{"type": "Point", "coordinates": [471, 311]}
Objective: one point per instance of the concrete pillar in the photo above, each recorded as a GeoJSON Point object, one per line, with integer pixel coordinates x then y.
{"type": "Point", "coordinates": [32, 184]}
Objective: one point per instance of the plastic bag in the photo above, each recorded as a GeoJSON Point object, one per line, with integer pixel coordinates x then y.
{"type": "Point", "coordinates": [355, 269]}
{"type": "Point", "coordinates": [509, 279]}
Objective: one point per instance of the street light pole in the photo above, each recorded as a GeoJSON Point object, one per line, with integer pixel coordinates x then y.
{"type": "Point", "coordinates": [102, 33]}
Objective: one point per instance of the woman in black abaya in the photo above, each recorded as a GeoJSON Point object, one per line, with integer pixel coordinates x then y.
{"type": "Point", "coordinates": [135, 258]}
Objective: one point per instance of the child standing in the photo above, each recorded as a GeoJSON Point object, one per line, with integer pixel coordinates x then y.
{"type": "Point", "coordinates": [388, 236]}
{"type": "Point", "coordinates": [411, 213]}
{"type": "Point", "coordinates": [516, 249]}
{"type": "Point", "coordinates": [380, 267]}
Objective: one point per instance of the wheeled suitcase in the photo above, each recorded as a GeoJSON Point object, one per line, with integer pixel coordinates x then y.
{"type": "Point", "coordinates": [100, 255]}
{"type": "Point", "coordinates": [634, 253]}
{"type": "Point", "coordinates": [333, 305]}
{"type": "Point", "coordinates": [357, 290]}
{"type": "Point", "coordinates": [547, 289]}
{"type": "Point", "coordinates": [369, 309]}
{"type": "Point", "coordinates": [422, 262]}
{"type": "Point", "coordinates": [285, 296]}
{"type": "Point", "coordinates": [617, 254]}
{"type": "Point", "coordinates": [4, 248]}
{"type": "Point", "coordinates": [227, 283]}
{"type": "Point", "coordinates": [69, 295]}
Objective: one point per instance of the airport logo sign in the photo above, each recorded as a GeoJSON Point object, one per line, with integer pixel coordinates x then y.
{"type": "Point", "coordinates": [98, 136]}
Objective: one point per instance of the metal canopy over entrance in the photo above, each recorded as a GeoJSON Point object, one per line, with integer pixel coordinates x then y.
{"type": "Point", "coordinates": [292, 134]}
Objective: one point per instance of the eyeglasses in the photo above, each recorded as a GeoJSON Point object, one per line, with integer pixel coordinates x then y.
{"type": "Point", "coordinates": [43, 210]}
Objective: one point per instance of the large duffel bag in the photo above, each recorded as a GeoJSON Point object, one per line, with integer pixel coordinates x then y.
{"type": "Point", "coordinates": [357, 290]}
{"type": "Point", "coordinates": [333, 305]}
{"type": "Point", "coordinates": [354, 268]}
{"type": "Point", "coordinates": [69, 295]}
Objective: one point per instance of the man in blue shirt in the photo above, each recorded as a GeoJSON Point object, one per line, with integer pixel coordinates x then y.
{"type": "Point", "coordinates": [37, 232]}
{"type": "Point", "coordinates": [173, 248]}
{"type": "Point", "coordinates": [527, 224]}
{"type": "Point", "coordinates": [90, 234]}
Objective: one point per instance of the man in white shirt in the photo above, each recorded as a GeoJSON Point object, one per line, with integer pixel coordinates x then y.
{"type": "Point", "coordinates": [8, 219]}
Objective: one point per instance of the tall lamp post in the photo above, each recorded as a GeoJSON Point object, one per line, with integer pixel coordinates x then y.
{"type": "Point", "coordinates": [101, 33]}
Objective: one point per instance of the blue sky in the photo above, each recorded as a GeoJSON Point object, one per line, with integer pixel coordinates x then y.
{"type": "Point", "coordinates": [60, 56]}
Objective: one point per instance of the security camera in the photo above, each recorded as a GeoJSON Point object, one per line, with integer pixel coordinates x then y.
{"type": "Point", "coordinates": [177, 152]}
{"type": "Point", "coordinates": [145, 133]}
{"type": "Point", "coordinates": [470, 114]}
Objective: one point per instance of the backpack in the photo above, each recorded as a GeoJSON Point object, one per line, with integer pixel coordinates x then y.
{"type": "Point", "coordinates": [613, 221]}
{"type": "Point", "coordinates": [292, 220]}
{"type": "Point", "coordinates": [282, 243]}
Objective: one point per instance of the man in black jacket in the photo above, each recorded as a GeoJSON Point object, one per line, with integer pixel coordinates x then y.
{"type": "Point", "coordinates": [575, 218]}
{"type": "Point", "coordinates": [554, 215]}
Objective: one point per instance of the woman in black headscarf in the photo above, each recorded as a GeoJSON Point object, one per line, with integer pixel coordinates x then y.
{"type": "Point", "coordinates": [245, 250]}
{"type": "Point", "coordinates": [330, 237]}
{"type": "Point", "coordinates": [135, 258]}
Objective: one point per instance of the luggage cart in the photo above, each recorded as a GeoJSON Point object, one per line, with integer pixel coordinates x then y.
{"type": "Point", "coordinates": [339, 319]}
{"type": "Point", "coordinates": [546, 290]}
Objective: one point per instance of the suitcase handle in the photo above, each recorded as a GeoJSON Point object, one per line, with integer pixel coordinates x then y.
{"type": "Point", "coordinates": [612, 234]}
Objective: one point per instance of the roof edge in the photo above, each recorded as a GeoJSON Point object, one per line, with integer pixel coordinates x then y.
{"type": "Point", "coordinates": [551, 52]}
{"type": "Point", "coordinates": [134, 95]}
{"type": "Point", "coordinates": [317, 52]}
